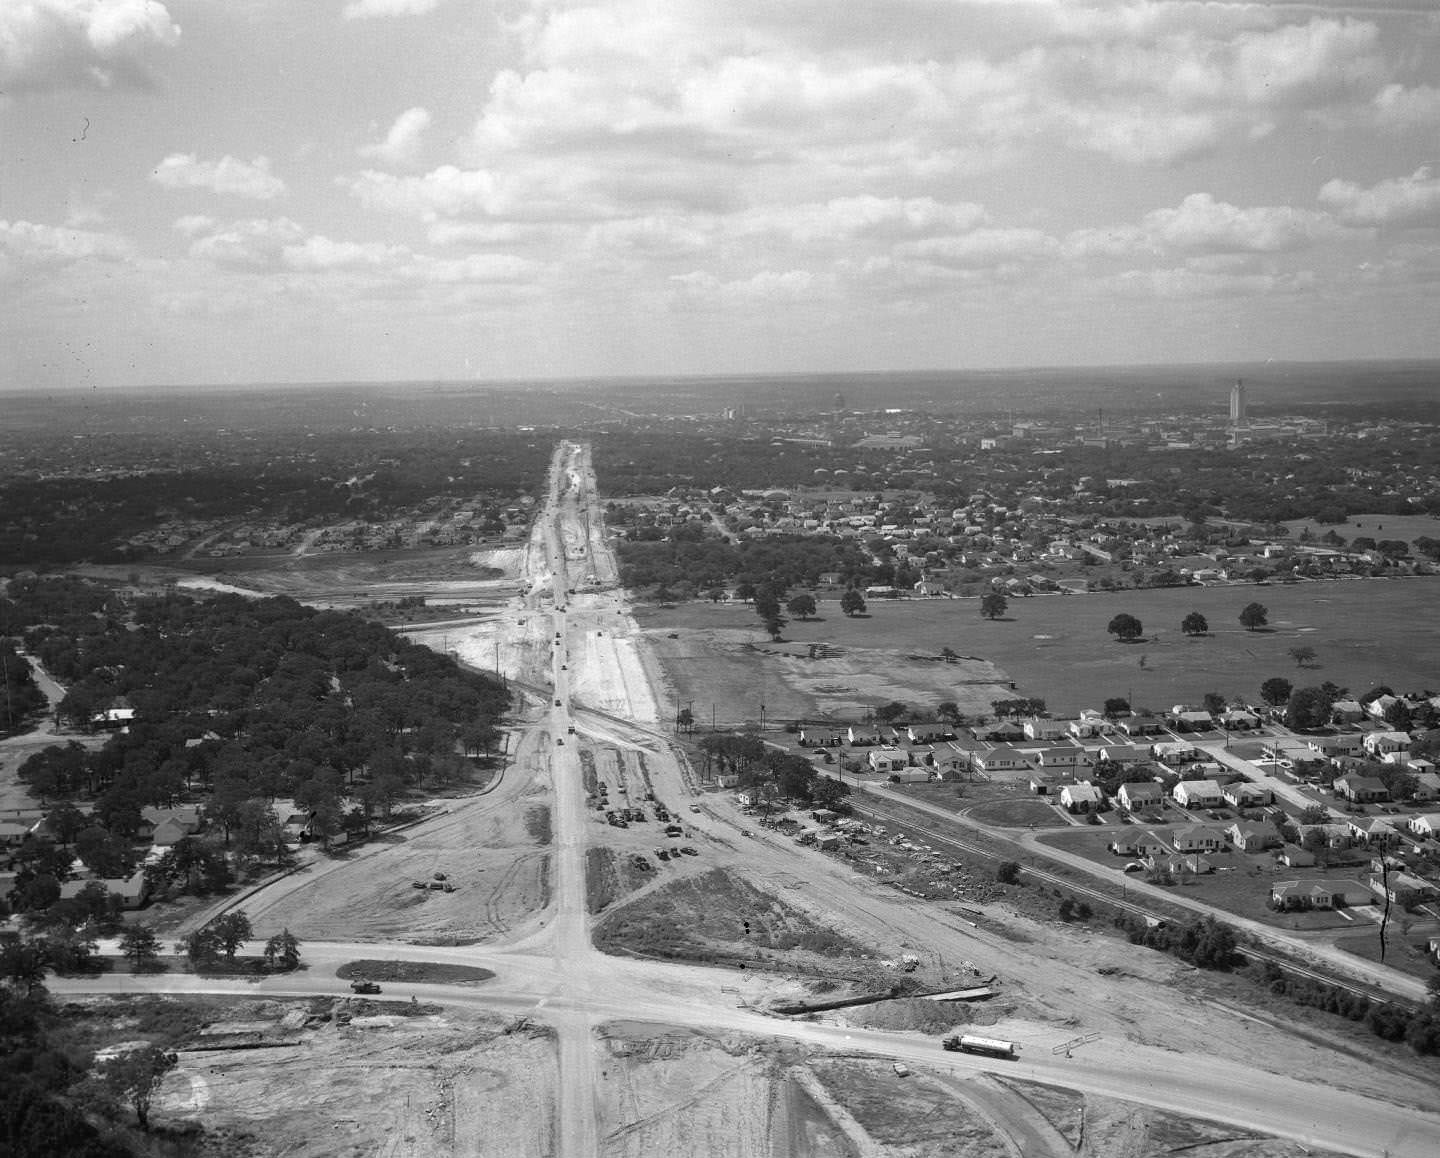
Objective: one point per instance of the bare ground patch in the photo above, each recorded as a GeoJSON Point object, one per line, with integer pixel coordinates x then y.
{"type": "Point", "coordinates": [719, 918]}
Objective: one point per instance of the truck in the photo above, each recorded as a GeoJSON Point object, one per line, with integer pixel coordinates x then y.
{"type": "Point", "coordinates": [973, 1043]}
{"type": "Point", "coordinates": [360, 985]}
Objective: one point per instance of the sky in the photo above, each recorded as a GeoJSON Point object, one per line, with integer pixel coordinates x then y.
{"type": "Point", "coordinates": [232, 191]}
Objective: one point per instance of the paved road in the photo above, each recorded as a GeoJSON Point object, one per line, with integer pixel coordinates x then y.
{"type": "Point", "coordinates": [557, 976]}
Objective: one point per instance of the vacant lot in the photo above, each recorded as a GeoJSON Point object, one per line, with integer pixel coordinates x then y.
{"type": "Point", "coordinates": [1056, 647]}
{"type": "Point", "coordinates": [1241, 884]}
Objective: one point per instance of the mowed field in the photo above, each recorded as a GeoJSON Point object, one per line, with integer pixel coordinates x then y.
{"type": "Point", "coordinates": [1056, 647]}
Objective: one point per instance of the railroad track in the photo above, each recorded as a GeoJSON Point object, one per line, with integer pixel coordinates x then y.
{"type": "Point", "coordinates": [1248, 951]}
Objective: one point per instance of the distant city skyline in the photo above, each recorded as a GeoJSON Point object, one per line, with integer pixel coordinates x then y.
{"type": "Point", "coordinates": [207, 192]}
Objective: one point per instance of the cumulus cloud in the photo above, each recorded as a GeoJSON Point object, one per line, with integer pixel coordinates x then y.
{"type": "Point", "coordinates": [228, 176]}
{"type": "Point", "coordinates": [402, 142]}
{"type": "Point", "coordinates": [366, 9]}
{"type": "Point", "coordinates": [1399, 109]}
{"type": "Point", "coordinates": [765, 286]}
{"type": "Point", "coordinates": [254, 243]}
{"type": "Point", "coordinates": [321, 253]}
{"type": "Point", "coordinates": [1395, 201]}
{"type": "Point", "coordinates": [80, 43]}
{"type": "Point", "coordinates": [1184, 282]}
{"type": "Point", "coordinates": [1201, 224]}
{"type": "Point", "coordinates": [39, 244]}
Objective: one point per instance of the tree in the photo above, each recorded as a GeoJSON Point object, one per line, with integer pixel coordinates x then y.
{"type": "Point", "coordinates": [1276, 691]}
{"type": "Point", "coordinates": [1254, 616]}
{"type": "Point", "coordinates": [1304, 655]}
{"type": "Point", "coordinates": [198, 947]}
{"type": "Point", "coordinates": [1308, 709]}
{"type": "Point", "coordinates": [1398, 715]}
{"type": "Point", "coordinates": [231, 930]}
{"type": "Point", "coordinates": [993, 605]}
{"type": "Point", "coordinates": [1214, 703]}
{"type": "Point", "coordinates": [140, 944]}
{"type": "Point", "coordinates": [889, 713]}
{"type": "Point", "coordinates": [1195, 624]}
{"type": "Point", "coordinates": [283, 948]}
{"type": "Point", "coordinates": [1126, 628]}
{"type": "Point", "coordinates": [685, 720]}
{"type": "Point", "coordinates": [1116, 706]}
{"type": "Point", "coordinates": [801, 606]}
{"type": "Point", "coordinates": [949, 711]}
{"type": "Point", "coordinates": [949, 654]}
{"type": "Point", "coordinates": [1007, 872]}
{"type": "Point", "coordinates": [134, 1076]}
{"type": "Point", "coordinates": [852, 602]}
{"type": "Point", "coordinates": [24, 962]}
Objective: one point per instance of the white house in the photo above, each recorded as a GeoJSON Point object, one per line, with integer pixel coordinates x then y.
{"type": "Point", "coordinates": [1244, 794]}
{"type": "Point", "coordinates": [1343, 744]}
{"type": "Point", "coordinates": [1039, 728]}
{"type": "Point", "coordinates": [1134, 797]}
{"type": "Point", "coordinates": [1382, 743]}
{"type": "Point", "coordinates": [1081, 797]}
{"type": "Point", "coordinates": [1197, 794]}
{"type": "Point", "coordinates": [1124, 753]}
{"type": "Point", "coordinates": [1197, 838]}
{"type": "Point", "coordinates": [1426, 824]}
{"type": "Point", "coordinates": [887, 759]}
{"type": "Point", "coordinates": [1062, 758]}
{"type": "Point", "coordinates": [1427, 782]}
{"type": "Point", "coordinates": [1000, 760]}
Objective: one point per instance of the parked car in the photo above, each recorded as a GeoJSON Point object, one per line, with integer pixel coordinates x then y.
{"type": "Point", "coordinates": [361, 986]}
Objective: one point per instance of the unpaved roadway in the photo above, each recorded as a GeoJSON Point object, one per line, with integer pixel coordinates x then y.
{"type": "Point", "coordinates": [1160, 1046]}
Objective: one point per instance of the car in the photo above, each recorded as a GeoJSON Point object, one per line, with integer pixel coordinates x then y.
{"type": "Point", "coordinates": [557, 703]}
{"type": "Point", "coordinates": [662, 854]}
{"type": "Point", "coordinates": [359, 985]}
{"type": "Point", "coordinates": [559, 741]}
{"type": "Point", "coordinates": [689, 851]}
{"type": "Point", "coordinates": [694, 808]}
{"type": "Point", "coordinates": [1133, 867]}
{"type": "Point", "coordinates": [901, 1069]}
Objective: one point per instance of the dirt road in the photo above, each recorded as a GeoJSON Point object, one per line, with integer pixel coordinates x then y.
{"type": "Point", "coordinates": [1162, 1044]}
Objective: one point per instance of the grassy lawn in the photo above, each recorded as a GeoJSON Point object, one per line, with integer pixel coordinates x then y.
{"type": "Point", "coordinates": [1056, 647]}
{"type": "Point", "coordinates": [1003, 803]}
{"type": "Point", "coordinates": [1240, 884]}
{"type": "Point", "coordinates": [1401, 952]}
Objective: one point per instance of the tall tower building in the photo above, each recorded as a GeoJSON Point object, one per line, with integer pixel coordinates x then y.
{"type": "Point", "coordinates": [1237, 404]}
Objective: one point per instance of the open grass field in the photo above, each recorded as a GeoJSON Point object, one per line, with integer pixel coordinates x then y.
{"type": "Point", "coordinates": [1056, 647]}
{"type": "Point", "coordinates": [1240, 886]}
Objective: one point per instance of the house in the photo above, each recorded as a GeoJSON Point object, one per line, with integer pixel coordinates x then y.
{"type": "Point", "coordinates": [1239, 720]}
{"type": "Point", "coordinates": [887, 759]}
{"type": "Point", "coordinates": [1146, 844]}
{"type": "Point", "coordinates": [1373, 830]}
{"type": "Point", "coordinates": [1289, 896]}
{"type": "Point", "coordinates": [1248, 836]}
{"type": "Point", "coordinates": [1379, 744]}
{"type": "Point", "coordinates": [1402, 888]}
{"type": "Point", "coordinates": [1062, 758]}
{"type": "Point", "coordinates": [1084, 728]}
{"type": "Point", "coordinates": [1293, 856]}
{"type": "Point", "coordinates": [1124, 753]}
{"type": "Point", "coordinates": [1197, 794]}
{"type": "Point", "coordinates": [1181, 864]}
{"type": "Point", "coordinates": [1336, 834]}
{"type": "Point", "coordinates": [1081, 797]}
{"type": "Point", "coordinates": [1197, 838]}
{"type": "Point", "coordinates": [113, 719]}
{"type": "Point", "coordinates": [910, 775]}
{"type": "Point", "coordinates": [1244, 794]}
{"type": "Point", "coordinates": [928, 733]}
{"type": "Point", "coordinates": [1042, 784]}
{"type": "Point", "coordinates": [999, 760]}
{"type": "Point", "coordinates": [1331, 747]}
{"type": "Point", "coordinates": [1174, 754]}
{"type": "Point", "coordinates": [1037, 728]}
{"type": "Point", "coordinates": [13, 833]}
{"type": "Point", "coordinates": [1144, 794]}
{"type": "Point", "coordinates": [1347, 712]}
{"type": "Point", "coordinates": [133, 890]}
{"type": "Point", "coordinates": [1141, 725]}
{"type": "Point", "coordinates": [1426, 824]}
{"type": "Point", "coordinates": [1427, 782]}
{"type": "Point", "coordinates": [858, 737]}
{"type": "Point", "coordinates": [168, 826]}
{"type": "Point", "coordinates": [1184, 721]}
{"type": "Point", "coordinates": [1361, 789]}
